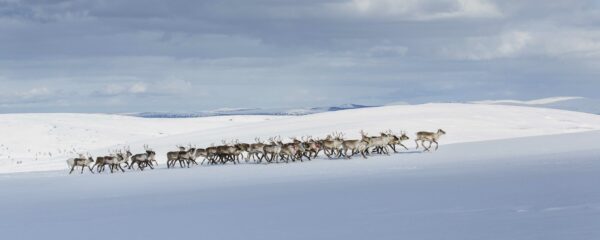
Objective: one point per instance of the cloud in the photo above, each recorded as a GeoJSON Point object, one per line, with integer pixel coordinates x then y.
{"type": "Point", "coordinates": [95, 55]}
{"type": "Point", "coordinates": [32, 95]}
{"type": "Point", "coordinates": [505, 45]}
{"type": "Point", "coordinates": [552, 43]}
{"type": "Point", "coordinates": [137, 88]}
{"type": "Point", "coordinates": [423, 10]}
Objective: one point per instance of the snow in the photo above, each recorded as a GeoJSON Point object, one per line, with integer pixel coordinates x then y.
{"type": "Point", "coordinates": [578, 104]}
{"type": "Point", "coordinates": [524, 188]}
{"type": "Point", "coordinates": [99, 133]}
{"type": "Point", "coordinates": [502, 172]}
{"type": "Point", "coordinates": [541, 101]}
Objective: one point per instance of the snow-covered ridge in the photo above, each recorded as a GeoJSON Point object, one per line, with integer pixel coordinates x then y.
{"type": "Point", "coordinates": [37, 135]}
{"type": "Point", "coordinates": [579, 104]}
{"type": "Point", "coordinates": [247, 111]}
{"type": "Point", "coordinates": [541, 101]}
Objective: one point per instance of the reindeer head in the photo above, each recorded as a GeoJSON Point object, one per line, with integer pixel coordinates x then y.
{"type": "Point", "coordinates": [403, 136]}
{"type": "Point", "coordinates": [441, 132]}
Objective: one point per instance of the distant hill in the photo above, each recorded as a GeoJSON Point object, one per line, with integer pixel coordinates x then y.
{"type": "Point", "coordinates": [248, 111]}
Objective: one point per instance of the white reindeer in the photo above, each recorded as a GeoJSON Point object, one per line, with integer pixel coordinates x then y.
{"type": "Point", "coordinates": [82, 162]}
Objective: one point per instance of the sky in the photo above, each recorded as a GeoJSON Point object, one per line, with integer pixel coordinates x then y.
{"type": "Point", "coordinates": [188, 55]}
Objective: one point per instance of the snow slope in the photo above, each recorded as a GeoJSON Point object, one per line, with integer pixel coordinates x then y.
{"type": "Point", "coordinates": [541, 187]}
{"type": "Point", "coordinates": [541, 101]}
{"type": "Point", "coordinates": [579, 104]}
{"type": "Point", "coordinates": [502, 172]}
{"type": "Point", "coordinates": [463, 122]}
{"type": "Point", "coordinates": [36, 139]}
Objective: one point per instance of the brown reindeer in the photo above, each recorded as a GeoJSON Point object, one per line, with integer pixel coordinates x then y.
{"type": "Point", "coordinates": [429, 137]}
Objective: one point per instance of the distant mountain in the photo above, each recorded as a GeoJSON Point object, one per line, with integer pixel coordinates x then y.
{"type": "Point", "coordinates": [247, 111]}
{"type": "Point", "coordinates": [578, 104]}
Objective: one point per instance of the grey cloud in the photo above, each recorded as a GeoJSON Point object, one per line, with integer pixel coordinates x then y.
{"type": "Point", "coordinates": [184, 55]}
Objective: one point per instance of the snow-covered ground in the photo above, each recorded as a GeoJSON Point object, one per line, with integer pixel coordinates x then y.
{"type": "Point", "coordinates": [527, 188]}
{"type": "Point", "coordinates": [502, 172]}
{"type": "Point", "coordinates": [36, 135]}
{"type": "Point", "coordinates": [41, 141]}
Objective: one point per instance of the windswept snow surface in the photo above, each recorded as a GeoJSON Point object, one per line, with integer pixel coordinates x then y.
{"type": "Point", "coordinates": [99, 133]}
{"type": "Point", "coordinates": [543, 187]}
{"type": "Point", "coordinates": [502, 172]}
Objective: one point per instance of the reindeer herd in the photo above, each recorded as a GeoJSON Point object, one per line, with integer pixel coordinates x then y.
{"type": "Point", "coordinates": [274, 150]}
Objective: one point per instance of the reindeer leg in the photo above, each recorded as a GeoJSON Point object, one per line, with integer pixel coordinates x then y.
{"type": "Point", "coordinates": [426, 148]}
{"type": "Point", "coordinates": [393, 146]}
{"type": "Point", "coordinates": [91, 170]}
{"type": "Point", "coordinates": [403, 146]}
{"type": "Point", "coordinates": [417, 142]}
{"type": "Point", "coordinates": [436, 144]}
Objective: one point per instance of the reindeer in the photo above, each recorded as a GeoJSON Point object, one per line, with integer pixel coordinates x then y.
{"type": "Point", "coordinates": [126, 156]}
{"type": "Point", "coordinates": [429, 137]}
{"type": "Point", "coordinates": [242, 147]}
{"type": "Point", "coordinates": [211, 154]}
{"type": "Point", "coordinates": [151, 155]}
{"type": "Point", "coordinates": [332, 145]}
{"type": "Point", "coordinates": [355, 146]}
{"type": "Point", "coordinates": [114, 161]}
{"type": "Point", "coordinates": [173, 157]}
{"type": "Point", "coordinates": [143, 159]}
{"type": "Point", "coordinates": [395, 140]}
{"type": "Point", "coordinates": [183, 156]}
{"type": "Point", "coordinates": [311, 147]}
{"type": "Point", "coordinates": [398, 141]}
{"type": "Point", "coordinates": [190, 156]}
{"type": "Point", "coordinates": [288, 151]}
{"type": "Point", "coordinates": [380, 142]}
{"type": "Point", "coordinates": [273, 149]}
{"type": "Point", "coordinates": [256, 150]}
{"type": "Point", "coordinates": [299, 149]}
{"type": "Point", "coordinates": [80, 161]}
{"type": "Point", "coordinates": [200, 152]}
{"type": "Point", "coordinates": [227, 152]}
{"type": "Point", "coordinates": [99, 164]}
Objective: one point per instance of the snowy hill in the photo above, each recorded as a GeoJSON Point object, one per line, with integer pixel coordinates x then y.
{"type": "Point", "coordinates": [502, 172]}
{"type": "Point", "coordinates": [578, 104]}
{"type": "Point", "coordinates": [43, 141]}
